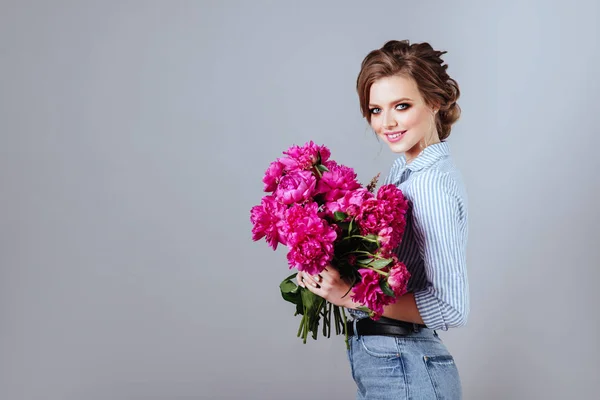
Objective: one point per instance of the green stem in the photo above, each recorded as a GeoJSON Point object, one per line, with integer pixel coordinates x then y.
{"type": "Point", "coordinates": [358, 252]}
{"type": "Point", "coordinates": [345, 330]}
{"type": "Point", "coordinates": [306, 325]}
{"type": "Point", "coordinates": [329, 320]}
{"type": "Point", "coordinates": [378, 271]}
{"type": "Point", "coordinates": [360, 236]}
{"type": "Point", "coordinates": [338, 321]}
{"type": "Point", "coordinates": [318, 171]}
{"type": "Point", "coordinates": [325, 319]}
{"type": "Point", "coordinates": [301, 326]}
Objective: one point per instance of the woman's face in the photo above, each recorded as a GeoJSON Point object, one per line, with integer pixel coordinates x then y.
{"type": "Point", "coordinates": [400, 116]}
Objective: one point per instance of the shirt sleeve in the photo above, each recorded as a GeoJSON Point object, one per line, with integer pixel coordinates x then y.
{"type": "Point", "coordinates": [440, 225]}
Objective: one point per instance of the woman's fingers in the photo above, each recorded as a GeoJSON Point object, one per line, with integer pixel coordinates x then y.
{"type": "Point", "coordinates": [300, 279]}
{"type": "Point", "coordinates": [305, 279]}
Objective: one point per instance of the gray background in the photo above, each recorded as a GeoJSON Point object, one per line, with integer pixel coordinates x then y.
{"type": "Point", "coordinates": [134, 135]}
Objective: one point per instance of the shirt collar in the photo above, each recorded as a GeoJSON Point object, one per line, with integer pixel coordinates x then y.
{"type": "Point", "coordinates": [428, 156]}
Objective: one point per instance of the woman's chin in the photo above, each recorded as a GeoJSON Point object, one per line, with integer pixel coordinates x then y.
{"type": "Point", "coordinates": [397, 148]}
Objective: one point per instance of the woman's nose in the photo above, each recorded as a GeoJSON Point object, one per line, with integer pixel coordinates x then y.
{"type": "Point", "coordinates": [388, 120]}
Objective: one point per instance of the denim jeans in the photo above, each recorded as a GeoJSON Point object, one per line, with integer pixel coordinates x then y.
{"type": "Point", "coordinates": [417, 366]}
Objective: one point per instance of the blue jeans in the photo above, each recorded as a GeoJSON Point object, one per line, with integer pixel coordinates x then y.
{"type": "Point", "coordinates": [417, 366]}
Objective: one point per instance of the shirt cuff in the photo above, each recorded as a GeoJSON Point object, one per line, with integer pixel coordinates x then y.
{"type": "Point", "coordinates": [430, 309]}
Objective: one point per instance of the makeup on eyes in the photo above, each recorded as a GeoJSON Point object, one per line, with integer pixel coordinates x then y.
{"type": "Point", "coordinates": [400, 102]}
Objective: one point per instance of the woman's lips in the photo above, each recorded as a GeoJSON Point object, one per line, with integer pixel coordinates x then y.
{"type": "Point", "coordinates": [395, 136]}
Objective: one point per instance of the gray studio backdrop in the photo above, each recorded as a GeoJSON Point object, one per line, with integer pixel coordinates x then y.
{"type": "Point", "coordinates": [133, 139]}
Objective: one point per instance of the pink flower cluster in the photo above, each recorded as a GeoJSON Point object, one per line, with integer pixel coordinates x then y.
{"type": "Point", "coordinates": [314, 204]}
{"type": "Point", "coordinates": [309, 237]}
{"type": "Point", "coordinates": [369, 291]}
{"type": "Point", "coordinates": [384, 216]}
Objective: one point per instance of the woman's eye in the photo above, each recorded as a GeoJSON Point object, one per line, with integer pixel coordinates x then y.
{"type": "Point", "coordinates": [402, 106]}
{"type": "Point", "coordinates": [375, 110]}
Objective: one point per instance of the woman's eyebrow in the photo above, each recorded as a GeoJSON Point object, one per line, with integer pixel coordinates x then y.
{"type": "Point", "coordinates": [392, 102]}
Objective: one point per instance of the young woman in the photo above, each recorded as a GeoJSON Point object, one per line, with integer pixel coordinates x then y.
{"type": "Point", "coordinates": [410, 102]}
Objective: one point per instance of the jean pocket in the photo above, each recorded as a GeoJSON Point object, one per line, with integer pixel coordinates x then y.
{"type": "Point", "coordinates": [380, 346]}
{"type": "Point", "coordinates": [444, 377]}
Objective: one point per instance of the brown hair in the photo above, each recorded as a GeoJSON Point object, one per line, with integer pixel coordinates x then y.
{"type": "Point", "coordinates": [420, 62]}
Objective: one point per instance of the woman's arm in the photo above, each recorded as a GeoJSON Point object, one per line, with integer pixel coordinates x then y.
{"type": "Point", "coordinates": [332, 288]}
{"type": "Point", "coordinates": [440, 223]}
{"type": "Point", "coordinates": [440, 226]}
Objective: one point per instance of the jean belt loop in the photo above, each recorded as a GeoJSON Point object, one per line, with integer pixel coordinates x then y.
{"type": "Point", "coordinates": [355, 327]}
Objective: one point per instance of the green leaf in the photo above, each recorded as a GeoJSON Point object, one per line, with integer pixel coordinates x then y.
{"type": "Point", "coordinates": [364, 261]}
{"type": "Point", "coordinates": [312, 311]}
{"type": "Point", "coordinates": [288, 287]}
{"type": "Point", "coordinates": [378, 264]}
{"type": "Point", "coordinates": [322, 168]}
{"type": "Point", "coordinates": [310, 300]}
{"type": "Point", "coordinates": [372, 237]}
{"type": "Point", "coordinates": [291, 293]}
{"type": "Point", "coordinates": [340, 216]}
{"type": "Point", "coordinates": [386, 288]}
{"type": "Point", "coordinates": [293, 298]}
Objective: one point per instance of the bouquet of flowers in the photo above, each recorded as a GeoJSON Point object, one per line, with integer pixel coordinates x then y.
{"type": "Point", "coordinates": [318, 209]}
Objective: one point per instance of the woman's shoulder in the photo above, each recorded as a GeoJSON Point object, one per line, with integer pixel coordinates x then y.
{"type": "Point", "coordinates": [441, 180]}
{"type": "Point", "coordinates": [442, 174]}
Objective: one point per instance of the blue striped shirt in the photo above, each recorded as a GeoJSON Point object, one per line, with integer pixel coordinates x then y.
{"type": "Point", "coordinates": [435, 238]}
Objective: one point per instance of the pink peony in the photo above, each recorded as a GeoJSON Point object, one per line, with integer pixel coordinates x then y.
{"type": "Point", "coordinates": [336, 182]}
{"type": "Point", "coordinates": [309, 238]}
{"type": "Point", "coordinates": [372, 217]}
{"type": "Point", "coordinates": [267, 219]}
{"type": "Point", "coordinates": [272, 176]}
{"type": "Point", "coordinates": [388, 210]}
{"type": "Point", "coordinates": [398, 278]}
{"type": "Point", "coordinates": [296, 187]}
{"type": "Point", "coordinates": [290, 164]}
{"type": "Point", "coordinates": [329, 164]}
{"type": "Point", "coordinates": [386, 239]}
{"type": "Point", "coordinates": [389, 238]}
{"type": "Point", "coordinates": [350, 203]}
{"type": "Point", "coordinates": [369, 293]}
{"type": "Point", "coordinates": [307, 156]}
{"type": "Point", "coordinates": [394, 196]}
{"type": "Point", "coordinates": [330, 208]}
{"type": "Point", "coordinates": [311, 255]}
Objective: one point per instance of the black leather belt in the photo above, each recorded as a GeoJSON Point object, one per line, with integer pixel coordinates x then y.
{"type": "Point", "coordinates": [383, 326]}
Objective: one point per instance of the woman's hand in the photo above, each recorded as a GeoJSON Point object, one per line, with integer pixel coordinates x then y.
{"type": "Point", "coordinates": [329, 285]}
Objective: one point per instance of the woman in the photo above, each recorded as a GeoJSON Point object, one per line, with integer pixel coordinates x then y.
{"type": "Point", "coordinates": [410, 102]}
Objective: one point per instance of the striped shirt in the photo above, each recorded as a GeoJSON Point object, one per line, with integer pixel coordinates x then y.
{"type": "Point", "coordinates": [435, 238]}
